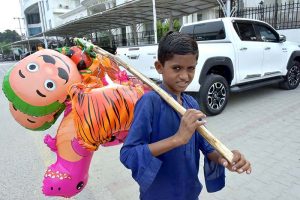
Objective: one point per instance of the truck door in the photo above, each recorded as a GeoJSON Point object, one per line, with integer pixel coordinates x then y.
{"type": "Point", "coordinates": [273, 51]}
{"type": "Point", "coordinates": [249, 52]}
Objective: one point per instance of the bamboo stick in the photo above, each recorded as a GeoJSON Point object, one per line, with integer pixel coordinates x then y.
{"type": "Point", "coordinates": [221, 148]}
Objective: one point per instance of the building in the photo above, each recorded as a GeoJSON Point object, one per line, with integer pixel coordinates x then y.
{"type": "Point", "coordinates": [44, 15]}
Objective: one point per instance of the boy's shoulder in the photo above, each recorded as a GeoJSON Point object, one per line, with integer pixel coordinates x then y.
{"type": "Point", "coordinates": [150, 100]}
{"type": "Point", "coordinates": [151, 95]}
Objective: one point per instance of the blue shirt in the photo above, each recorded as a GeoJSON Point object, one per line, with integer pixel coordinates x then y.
{"type": "Point", "coordinates": [174, 174]}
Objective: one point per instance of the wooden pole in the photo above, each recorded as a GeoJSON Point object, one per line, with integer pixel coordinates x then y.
{"type": "Point", "coordinates": [221, 148]}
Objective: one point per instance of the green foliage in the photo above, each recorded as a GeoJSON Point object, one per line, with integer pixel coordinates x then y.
{"type": "Point", "coordinates": [9, 36]}
{"type": "Point", "coordinates": [164, 27]}
{"type": "Point", "coordinates": [176, 25]}
{"type": "Point", "coordinates": [5, 48]}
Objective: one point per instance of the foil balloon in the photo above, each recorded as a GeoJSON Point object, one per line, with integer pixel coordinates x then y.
{"type": "Point", "coordinates": [79, 57]}
{"type": "Point", "coordinates": [97, 98]}
{"type": "Point", "coordinates": [100, 113]}
{"type": "Point", "coordinates": [69, 174]}
{"type": "Point", "coordinates": [37, 84]}
{"type": "Point", "coordinates": [34, 123]}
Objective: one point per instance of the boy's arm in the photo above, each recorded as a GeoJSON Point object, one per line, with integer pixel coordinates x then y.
{"type": "Point", "coordinates": [189, 123]}
{"type": "Point", "coordinates": [240, 164]}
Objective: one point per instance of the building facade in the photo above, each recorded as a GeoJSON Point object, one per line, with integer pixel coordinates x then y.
{"type": "Point", "coordinates": [43, 15]}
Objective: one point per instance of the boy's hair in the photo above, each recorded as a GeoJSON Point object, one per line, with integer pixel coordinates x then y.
{"type": "Point", "coordinates": [176, 43]}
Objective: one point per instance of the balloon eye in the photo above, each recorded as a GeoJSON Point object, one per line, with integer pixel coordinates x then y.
{"type": "Point", "coordinates": [80, 185]}
{"type": "Point", "coordinates": [32, 67]}
{"type": "Point", "coordinates": [49, 85]}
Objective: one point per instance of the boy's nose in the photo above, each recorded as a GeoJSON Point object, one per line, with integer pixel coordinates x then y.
{"type": "Point", "coordinates": [184, 75]}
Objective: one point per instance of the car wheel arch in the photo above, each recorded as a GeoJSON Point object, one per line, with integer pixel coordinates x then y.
{"type": "Point", "coordinates": [217, 65]}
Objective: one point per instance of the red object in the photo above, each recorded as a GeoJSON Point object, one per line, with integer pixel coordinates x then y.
{"type": "Point", "coordinates": [79, 57]}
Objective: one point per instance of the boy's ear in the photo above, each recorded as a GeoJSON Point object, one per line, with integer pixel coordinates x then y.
{"type": "Point", "coordinates": [158, 67]}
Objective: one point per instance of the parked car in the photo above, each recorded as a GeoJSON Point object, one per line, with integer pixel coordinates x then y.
{"type": "Point", "coordinates": [235, 54]}
{"type": "Point", "coordinates": [9, 57]}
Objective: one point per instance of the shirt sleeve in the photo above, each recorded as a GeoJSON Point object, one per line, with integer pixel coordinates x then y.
{"type": "Point", "coordinates": [135, 153]}
{"type": "Point", "coordinates": [214, 173]}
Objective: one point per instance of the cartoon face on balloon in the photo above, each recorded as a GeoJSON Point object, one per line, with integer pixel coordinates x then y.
{"type": "Point", "coordinates": [37, 85]}
{"type": "Point", "coordinates": [32, 122]}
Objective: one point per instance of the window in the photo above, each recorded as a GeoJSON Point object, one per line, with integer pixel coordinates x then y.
{"type": "Point", "coordinates": [209, 31]}
{"type": "Point", "coordinates": [206, 31]}
{"type": "Point", "coordinates": [199, 16]}
{"type": "Point", "coordinates": [266, 33]}
{"type": "Point", "coordinates": [188, 30]}
{"type": "Point", "coordinates": [245, 31]}
{"type": "Point", "coordinates": [33, 18]}
{"type": "Point", "coordinates": [34, 31]}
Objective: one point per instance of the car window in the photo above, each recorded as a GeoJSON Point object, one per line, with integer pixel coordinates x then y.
{"type": "Point", "coordinates": [188, 30]}
{"type": "Point", "coordinates": [245, 31]}
{"type": "Point", "coordinates": [266, 33]}
{"type": "Point", "coordinates": [206, 31]}
{"type": "Point", "coordinates": [209, 31]}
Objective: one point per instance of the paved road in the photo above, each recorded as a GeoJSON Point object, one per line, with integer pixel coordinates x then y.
{"type": "Point", "coordinates": [262, 123]}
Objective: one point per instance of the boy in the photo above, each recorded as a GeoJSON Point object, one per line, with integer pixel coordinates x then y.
{"type": "Point", "coordinates": [162, 148]}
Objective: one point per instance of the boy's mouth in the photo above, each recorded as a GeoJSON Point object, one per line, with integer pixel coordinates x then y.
{"type": "Point", "coordinates": [182, 84]}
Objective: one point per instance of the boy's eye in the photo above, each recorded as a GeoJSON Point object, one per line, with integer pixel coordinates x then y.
{"type": "Point", "coordinates": [191, 69]}
{"type": "Point", "coordinates": [176, 68]}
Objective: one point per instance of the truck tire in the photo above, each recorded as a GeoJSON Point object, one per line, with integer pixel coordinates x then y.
{"type": "Point", "coordinates": [292, 78]}
{"type": "Point", "coordinates": [214, 93]}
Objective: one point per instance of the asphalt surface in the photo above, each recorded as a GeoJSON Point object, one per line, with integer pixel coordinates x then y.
{"type": "Point", "coordinates": [262, 123]}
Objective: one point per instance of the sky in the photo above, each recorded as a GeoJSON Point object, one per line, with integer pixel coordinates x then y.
{"type": "Point", "coordinates": [8, 10]}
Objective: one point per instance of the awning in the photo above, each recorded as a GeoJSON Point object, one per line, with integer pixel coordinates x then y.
{"type": "Point", "coordinates": [133, 12]}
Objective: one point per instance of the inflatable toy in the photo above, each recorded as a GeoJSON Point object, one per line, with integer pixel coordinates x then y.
{"type": "Point", "coordinates": [97, 100]}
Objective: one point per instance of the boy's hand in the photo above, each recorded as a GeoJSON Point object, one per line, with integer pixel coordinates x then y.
{"type": "Point", "coordinates": [189, 122]}
{"type": "Point", "coordinates": [240, 164]}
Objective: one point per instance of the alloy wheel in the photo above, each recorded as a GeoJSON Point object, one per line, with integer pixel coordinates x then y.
{"type": "Point", "coordinates": [294, 75]}
{"type": "Point", "coordinates": [216, 96]}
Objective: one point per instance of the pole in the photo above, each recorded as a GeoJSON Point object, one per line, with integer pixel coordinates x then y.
{"type": "Point", "coordinates": [276, 14]}
{"type": "Point", "coordinates": [43, 22]}
{"type": "Point", "coordinates": [220, 147]}
{"type": "Point", "coordinates": [20, 27]}
{"type": "Point", "coordinates": [154, 22]}
{"type": "Point", "coordinates": [228, 9]}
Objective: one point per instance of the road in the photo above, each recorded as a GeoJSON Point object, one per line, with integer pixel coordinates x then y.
{"type": "Point", "coordinates": [262, 123]}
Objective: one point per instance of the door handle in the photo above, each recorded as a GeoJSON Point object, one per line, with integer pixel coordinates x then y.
{"type": "Point", "coordinates": [267, 48]}
{"type": "Point", "coordinates": [243, 48]}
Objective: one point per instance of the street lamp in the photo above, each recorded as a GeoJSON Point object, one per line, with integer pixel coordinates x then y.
{"type": "Point", "coordinates": [19, 19]}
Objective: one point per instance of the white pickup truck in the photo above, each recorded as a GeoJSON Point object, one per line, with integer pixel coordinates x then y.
{"type": "Point", "coordinates": [235, 54]}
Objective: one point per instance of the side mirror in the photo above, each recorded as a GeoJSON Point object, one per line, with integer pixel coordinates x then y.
{"type": "Point", "coordinates": [282, 38]}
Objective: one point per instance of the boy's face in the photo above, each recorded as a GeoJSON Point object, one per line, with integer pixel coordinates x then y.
{"type": "Point", "coordinates": [178, 72]}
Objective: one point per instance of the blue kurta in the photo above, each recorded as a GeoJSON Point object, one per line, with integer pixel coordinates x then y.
{"type": "Point", "coordinates": [174, 174]}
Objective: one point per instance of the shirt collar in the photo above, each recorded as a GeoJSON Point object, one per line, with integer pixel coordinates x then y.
{"type": "Point", "coordinates": [170, 93]}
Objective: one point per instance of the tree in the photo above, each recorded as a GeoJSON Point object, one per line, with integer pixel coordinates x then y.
{"type": "Point", "coordinates": [164, 27]}
{"type": "Point", "coordinates": [9, 36]}
{"type": "Point", "coordinates": [5, 49]}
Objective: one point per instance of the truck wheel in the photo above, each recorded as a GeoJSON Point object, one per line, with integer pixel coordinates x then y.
{"type": "Point", "coordinates": [292, 78]}
{"type": "Point", "coordinates": [214, 93]}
